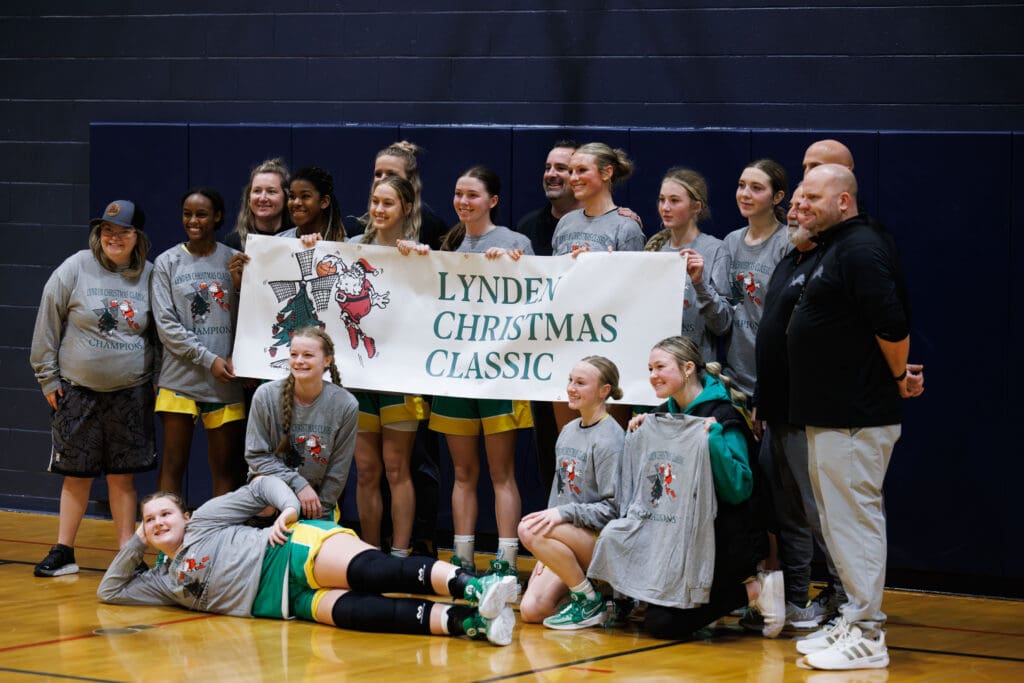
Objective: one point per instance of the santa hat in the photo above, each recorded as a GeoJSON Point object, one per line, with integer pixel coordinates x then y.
{"type": "Point", "coordinates": [365, 265]}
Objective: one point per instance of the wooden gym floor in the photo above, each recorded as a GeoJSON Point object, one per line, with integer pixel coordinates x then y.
{"type": "Point", "coordinates": [56, 630]}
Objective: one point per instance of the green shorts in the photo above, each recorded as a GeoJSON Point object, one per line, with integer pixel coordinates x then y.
{"type": "Point", "coordinates": [470, 416]}
{"type": "Point", "coordinates": [398, 411]}
{"type": "Point", "coordinates": [287, 587]}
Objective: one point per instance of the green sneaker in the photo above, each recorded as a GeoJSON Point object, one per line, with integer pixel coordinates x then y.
{"type": "Point", "coordinates": [463, 565]}
{"type": "Point", "coordinates": [502, 568]}
{"type": "Point", "coordinates": [497, 630]}
{"type": "Point", "coordinates": [578, 613]}
{"type": "Point", "coordinates": [490, 593]}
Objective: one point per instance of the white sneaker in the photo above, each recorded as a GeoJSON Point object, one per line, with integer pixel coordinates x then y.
{"type": "Point", "coordinates": [854, 651]}
{"type": "Point", "coordinates": [824, 638]}
{"type": "Point", "coordinates": [499, 629]}
{"type": "Point", "coordinates": [771, 603]}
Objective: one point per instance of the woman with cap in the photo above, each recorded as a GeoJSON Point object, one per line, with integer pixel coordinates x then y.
{"type": "Point", "coordinates": [195, 304]}
{"type": "Point", "coordinates": [93, 354]}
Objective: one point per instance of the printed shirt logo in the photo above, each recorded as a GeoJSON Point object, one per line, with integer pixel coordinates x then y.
{"type": "Point", "coordinates": [191, 573]}
{"type": "Point", "coordinates": [108, 312]}
{"type": "Point", "coordinates": [204, 294]}
{"type": "Point", "coordinates": [312, 293]}
{"type": "Point", "coordinates": [567, 476]}
{"type": "Point", "coordinates": [314, 446]}
{"type": "Point", "coordinates": [748, 285]}
{"type": "Point", "coordinates": [661, 483]}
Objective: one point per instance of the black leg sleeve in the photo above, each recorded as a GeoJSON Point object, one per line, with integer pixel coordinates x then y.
{"type": "Point", "coordinates": [371, 571]}
{"type": "Point", "coordinates": [366, 612]}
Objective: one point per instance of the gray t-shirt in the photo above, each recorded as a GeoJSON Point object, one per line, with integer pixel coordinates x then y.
{"type": "Point", "coordinates": [196, 306]}
{"type": "Point", "coordinates": [323, 437]}
{"type": "Point", "coordinates": [600, 232]}
{"type": "Point", "coordinates": [750, 270]}
{"type": "Point", "coordinates": [586, 469]}
{"type": "Point", "coordinates": [218, 567]}
{"type": "Point", "coordinates": [662, 547]}
{"type": "Point", "coordinates": [92, 328]}
{"type": "Point", "coordinates": [706, 310]}
{"type": "Point", "coordinates": [500, 237]}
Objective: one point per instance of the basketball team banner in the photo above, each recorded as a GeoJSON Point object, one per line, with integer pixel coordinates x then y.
{"type": "Point", "coordinates": [458, 324]}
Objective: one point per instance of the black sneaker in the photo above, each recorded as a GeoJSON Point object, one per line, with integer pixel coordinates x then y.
{"type": "Point", "coordinates": [59, 562]}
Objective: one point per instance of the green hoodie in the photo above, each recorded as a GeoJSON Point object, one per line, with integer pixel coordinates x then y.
{"type": "Point", "coordinates": [730, 464]}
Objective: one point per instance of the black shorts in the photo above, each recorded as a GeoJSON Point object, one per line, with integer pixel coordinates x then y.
{"type": "Point", "coordinates": [103, 432]}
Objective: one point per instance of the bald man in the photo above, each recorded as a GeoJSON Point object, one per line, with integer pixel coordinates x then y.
{"type": "Point", "coordinates": [827, 152]}
{"type": "Point", "coordinates": [847, 343]}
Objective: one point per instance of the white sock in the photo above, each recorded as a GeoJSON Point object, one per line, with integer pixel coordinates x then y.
{"type": "Point", "coordinates": [586, 588]}
{"type": "Point", "coordinates": [444, 619]}
{"type": "Point", "coordinates": [399, 552]}
{"type": "Point", "coordinates": [464, 546]}
{"type": "Point", "coordinates": [508, 549]}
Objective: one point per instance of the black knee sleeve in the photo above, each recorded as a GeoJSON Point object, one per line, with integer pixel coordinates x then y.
{"type": "Point", "coordinates": [371, 571]}
{"type": "Point", "coordinates": [366, 612]}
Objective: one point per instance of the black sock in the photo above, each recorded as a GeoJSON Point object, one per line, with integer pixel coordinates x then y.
{"type": "Point", "coordinates": [457, 584]}
{"type": "Point", "coordinates": [456, 615]}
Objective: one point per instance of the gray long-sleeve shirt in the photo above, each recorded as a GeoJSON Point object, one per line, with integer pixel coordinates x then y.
{"type": "Point", "coordinates": [323, 434]}
{"type": "Point", "coordinates": [218, 567]}
{"type": "Point", "coordinates": [196, 306]}
{"type": "Point", "coordinates": [662, 548]}
{"type": "Point", "coordinates": [92, 328]}
{"type": "Point", "coordinates": [750, 270]}
{"type": "Point", "coordinates": [706, 308]}
{"type": "Point", "coordinates": [586, 469]}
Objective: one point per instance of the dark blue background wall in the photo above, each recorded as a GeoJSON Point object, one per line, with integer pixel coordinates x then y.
{"type": "Point", "coordinates": [929, 96]}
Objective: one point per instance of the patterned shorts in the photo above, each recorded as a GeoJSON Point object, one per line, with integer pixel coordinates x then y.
{"type": "Point", "coordinates": [97, 432]}
{"type": "Point", "coordinates": [470, 416]}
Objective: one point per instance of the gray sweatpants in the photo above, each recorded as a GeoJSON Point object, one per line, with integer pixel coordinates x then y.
{"type": "Point", "coordinates": [784, 460]}
{"type": "Point", "coordinates": [847, 468]}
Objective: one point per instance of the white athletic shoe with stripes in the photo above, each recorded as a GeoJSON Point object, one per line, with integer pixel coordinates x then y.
{"type": "Point", "coordinates": [853, 651]}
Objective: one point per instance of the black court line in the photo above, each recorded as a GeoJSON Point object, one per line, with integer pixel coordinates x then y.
{"type": "Point", "coordinates": [48, 674]}
{"type": "Point", "coordinates": [999, 658]}
{"type": "Point", "coordinates": [33, 564]}
{"type": "Point", "coordinates": [588, 660]}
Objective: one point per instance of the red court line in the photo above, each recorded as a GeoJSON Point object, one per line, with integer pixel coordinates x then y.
{"type": "Point", "coordinates": [94, 635]}
{"type": "Point", "coordinates": [592, 670]}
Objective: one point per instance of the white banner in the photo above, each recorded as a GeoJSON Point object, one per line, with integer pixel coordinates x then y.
{"type": "Point", "coordinates": [458, 324]}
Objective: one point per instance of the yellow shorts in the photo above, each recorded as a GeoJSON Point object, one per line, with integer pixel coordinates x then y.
{"type": "Point", "coordinates": [214, 414]}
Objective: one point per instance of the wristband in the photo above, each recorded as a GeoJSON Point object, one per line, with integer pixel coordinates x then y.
{"type": "Point", "coordinates": [901, 377]}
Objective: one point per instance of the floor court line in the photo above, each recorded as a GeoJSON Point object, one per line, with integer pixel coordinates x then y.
{"type": "Point", "coordinates": [50, 675]}
{"type": "Point", "coordinates": [83, 636]}
{"type": "Point", "coordinates": [1000, 658]}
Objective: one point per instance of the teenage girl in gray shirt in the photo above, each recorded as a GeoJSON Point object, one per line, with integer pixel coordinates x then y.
{"type": "Point", "coordinates": [754, 251]}
{"type": "Point", "coordinates": [302, 429]}
{"type": "Point", "coordinates": [588, 455]}
{"type": "Point", "coordinates": [195, 303]}
{"type": "Point", "coordinates": [682, 202]}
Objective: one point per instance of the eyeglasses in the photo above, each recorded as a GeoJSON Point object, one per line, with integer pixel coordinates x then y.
{"type": "Point", "coordinates": [107, 231]}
